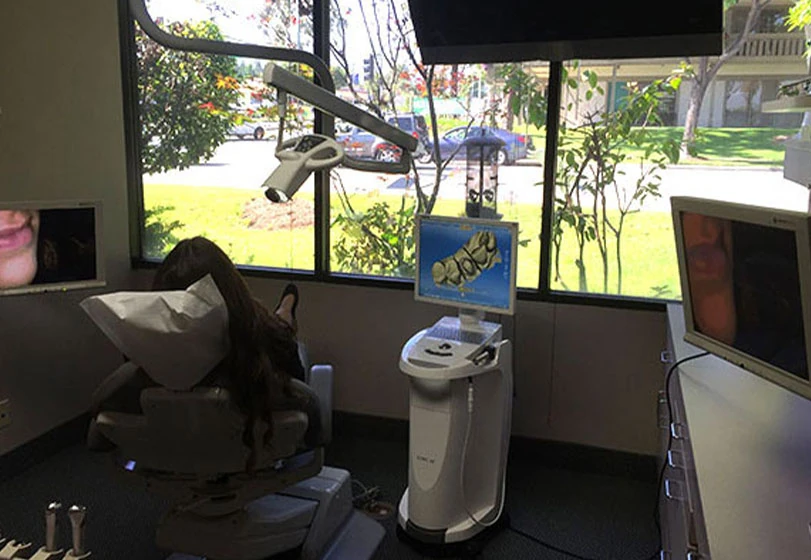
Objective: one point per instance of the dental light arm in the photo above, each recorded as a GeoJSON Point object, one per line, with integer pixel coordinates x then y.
{"type": "Point", "coordinates": [329, 103]}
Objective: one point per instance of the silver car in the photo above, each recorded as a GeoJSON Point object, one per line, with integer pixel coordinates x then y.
{"type": "Point", "coordinates": [257, 130]}
{"type": "Point", "coordinates": [361, 144]}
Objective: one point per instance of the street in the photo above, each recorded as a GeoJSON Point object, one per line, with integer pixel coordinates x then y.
{"type": "Point", "coordinates": [247, 163]}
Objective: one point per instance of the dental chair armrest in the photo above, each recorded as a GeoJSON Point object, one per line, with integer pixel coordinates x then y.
{"type": "Point", "coordinates": [321, 382]}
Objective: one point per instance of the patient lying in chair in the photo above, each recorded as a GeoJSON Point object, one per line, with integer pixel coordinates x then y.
{"type": "Point", "coordinates": [261, 368]}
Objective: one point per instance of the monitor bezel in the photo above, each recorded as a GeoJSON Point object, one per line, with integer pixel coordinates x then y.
{"type": "Point", "coordinates": [478, 222]}
{"type": "Point", "coordinates": [100, 279]}
{"type": "Point", "coordinates": [797, 222]}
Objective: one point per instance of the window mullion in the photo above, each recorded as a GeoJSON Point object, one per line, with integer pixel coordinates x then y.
{"type": "Point", "coordinates": [550, 170]}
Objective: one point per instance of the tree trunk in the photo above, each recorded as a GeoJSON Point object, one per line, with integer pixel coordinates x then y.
{"type": "Point", "coordinates": [694, 108]}
{"type": "Point", "coordinates": [510, 122]}
{"type": "Point", "coordinates": [706, 73]}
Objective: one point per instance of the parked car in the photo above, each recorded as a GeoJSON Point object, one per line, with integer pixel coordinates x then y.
{"type": "Point", "coordinates": [412, 124]}
{"type": "Point", "coordinates": [361, 144]}
{"type": "Point", "coordinates": [516, 146]}
{"type": "Point", "coordinates": [256, 130]}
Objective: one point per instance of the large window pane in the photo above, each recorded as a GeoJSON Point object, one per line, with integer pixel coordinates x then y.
{"type": "Point", "coordinates": [376, 66]}
{"type": "Point", "coordinates": [208, 137]}
{"type": "Point", "coordinates": [619, 162]}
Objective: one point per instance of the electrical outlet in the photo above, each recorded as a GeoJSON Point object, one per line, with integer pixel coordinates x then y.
{"type": "Point", "coordinates": [5, 413]}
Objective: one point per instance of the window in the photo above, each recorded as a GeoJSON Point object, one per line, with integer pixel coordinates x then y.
{"type": "Point", "coordinates": [208, 131]}
{"type": "Point", "coordinates": [619, 163]}
{"type": "Point", "coordinates": [208, 144]}
{"type": "Point", "coordinates": [372, 227]}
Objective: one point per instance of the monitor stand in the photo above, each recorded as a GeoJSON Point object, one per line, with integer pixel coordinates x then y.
{"type": "Point", "coordinates": [470, 318]}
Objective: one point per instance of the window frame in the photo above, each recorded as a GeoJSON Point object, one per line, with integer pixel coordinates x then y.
{"type": "Point", "coordinates": [325, 124]}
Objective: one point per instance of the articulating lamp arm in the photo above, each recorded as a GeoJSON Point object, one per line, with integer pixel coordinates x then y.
{"type": "Point", "coordinates": [329, 103]}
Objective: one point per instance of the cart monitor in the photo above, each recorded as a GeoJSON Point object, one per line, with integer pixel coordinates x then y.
{"type": "Point", "coordinates": [467, 263]}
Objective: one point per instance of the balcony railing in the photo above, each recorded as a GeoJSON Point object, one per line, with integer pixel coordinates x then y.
{"type": "Point", "coordinates": [773, 45]}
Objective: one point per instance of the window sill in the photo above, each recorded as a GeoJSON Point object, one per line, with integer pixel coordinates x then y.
{"type": "Point", "coordinates": [524, 294]}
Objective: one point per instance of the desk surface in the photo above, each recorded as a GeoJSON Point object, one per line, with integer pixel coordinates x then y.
{"type": "Point", "coordinates": [751, 443]}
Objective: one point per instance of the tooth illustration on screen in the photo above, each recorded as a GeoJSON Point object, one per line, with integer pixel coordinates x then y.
{"type": "Point", "coordinates": [479, 253]}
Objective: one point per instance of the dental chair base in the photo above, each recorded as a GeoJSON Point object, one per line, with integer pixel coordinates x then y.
{"type": "Point", "coordinates": [459, 430]}
{"type": "Point", "coordinates": [315, 515]}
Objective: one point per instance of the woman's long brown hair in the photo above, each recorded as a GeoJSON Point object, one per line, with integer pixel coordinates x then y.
{"type": "Point", "coordinates": [263, 351]}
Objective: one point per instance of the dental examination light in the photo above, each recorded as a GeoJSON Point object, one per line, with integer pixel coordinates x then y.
{"type": "Point", "coordinates": [298, 157]}
{"type": "Point", "coordinates": [302, 155]}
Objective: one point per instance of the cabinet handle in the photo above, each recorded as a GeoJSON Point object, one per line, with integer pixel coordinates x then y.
{"type": "Point", "coordinates": [674, 490]}
{"type": "Point", "coordinates": [664, 555]}
{"type": "Point", "coordinates": [676, 459]}
{"type": "Point", "coordinates": [693, 555]}
{"type": "Point", "coordinates": [678, 431]}
{"type": "Point", "coordinates": [665, 357]}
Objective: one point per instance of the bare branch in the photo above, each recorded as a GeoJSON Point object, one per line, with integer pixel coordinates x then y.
{"type": "Point", "coordinates": [407, 45]}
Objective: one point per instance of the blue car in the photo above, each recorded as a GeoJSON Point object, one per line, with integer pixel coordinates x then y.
{"type": "Point", "coordinates": [516, 146]}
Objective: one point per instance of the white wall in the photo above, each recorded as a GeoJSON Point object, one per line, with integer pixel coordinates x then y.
{"type": "Point", "coordinates": [61, 137]}
{"type": "Point", "coordinates": [583, 374]}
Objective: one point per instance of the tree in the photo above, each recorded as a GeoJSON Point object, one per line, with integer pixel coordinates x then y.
{"type": "Point", "coordinates": [597, 186]}
{"type": "Point", "coordinates": [185, 99]}
{"type": "Point", "coordinates": [799, 16]}
{"type": "Point", "coordinates": [703, 72]}
{"type": "Point", "coordinates": [397, 70]}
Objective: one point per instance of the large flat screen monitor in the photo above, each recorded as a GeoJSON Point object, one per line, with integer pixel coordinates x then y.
{"type": "Point", "coordinates": [465, 262]}
{"type": "Point", "coordinates": [746, 286]}
{"type": "Point", "coordinates": [482, 31]}
{"type": "Point", "coordinates": [50, 246]}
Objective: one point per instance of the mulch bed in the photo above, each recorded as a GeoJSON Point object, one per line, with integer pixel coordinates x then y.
{"type": "Point", "coordinates": [260, 213]}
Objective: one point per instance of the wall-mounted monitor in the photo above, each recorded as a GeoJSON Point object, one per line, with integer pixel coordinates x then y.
{"type": "Point", "coordinates": [746, 286]}
{"type": "Point", "coordinates": [482, 31]}
{"type": "Point", "coordinates": [50, 246]}
{"type": "Point", "coordinates": [465, 262]}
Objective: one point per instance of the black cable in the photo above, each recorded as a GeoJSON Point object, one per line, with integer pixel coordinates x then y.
{"type": "Point", "coordinates": [367, 495]}
{"type": "Point", "coordinates": [661, 477]}
{"type": "Point", "coordinates": [566, 552]}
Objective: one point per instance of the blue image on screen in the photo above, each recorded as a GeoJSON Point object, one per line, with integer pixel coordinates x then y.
{"type": "Point", "coordinates": [491, 287]}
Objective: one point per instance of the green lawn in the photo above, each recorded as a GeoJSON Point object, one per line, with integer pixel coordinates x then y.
{"type": "Point", "coordinates": [716, 146]}
{"type": "Point", "coordinates": [648, 257]}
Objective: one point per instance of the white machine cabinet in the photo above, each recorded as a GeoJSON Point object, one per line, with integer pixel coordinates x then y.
{"type": "Point", "coordinates": [738, 479]}
{"type": "Point", "coordinates": [460, 415]}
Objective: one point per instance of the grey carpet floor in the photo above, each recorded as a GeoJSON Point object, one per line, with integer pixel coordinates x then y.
{"type": "Point", "coordinates": [593, 516]}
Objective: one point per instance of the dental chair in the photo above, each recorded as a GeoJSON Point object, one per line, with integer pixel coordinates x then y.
{"type": "Point", "coordinates": [187, 446]}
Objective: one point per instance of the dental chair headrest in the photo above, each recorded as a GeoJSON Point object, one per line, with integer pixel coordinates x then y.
{"type": "Point", "coordinates": [176, 337]}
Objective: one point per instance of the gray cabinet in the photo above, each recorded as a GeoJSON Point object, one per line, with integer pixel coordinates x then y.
{"type": "Point", "coordinates": [737, 479]}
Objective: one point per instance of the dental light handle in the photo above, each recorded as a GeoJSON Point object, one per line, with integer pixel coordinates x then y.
{"type": "Point", "coordinates": [298, 158]}
{"type": "Point", "coordinates": [77, 516]}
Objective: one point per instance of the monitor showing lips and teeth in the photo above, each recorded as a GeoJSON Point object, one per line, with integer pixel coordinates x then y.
{"type": "Point", "coordinates": [746, 286]}
{"type": "Point", "coordinates": [48, 246]}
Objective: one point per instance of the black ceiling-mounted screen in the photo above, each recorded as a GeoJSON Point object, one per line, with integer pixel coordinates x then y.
{"type": "Point", "coordinates": [478, 31]}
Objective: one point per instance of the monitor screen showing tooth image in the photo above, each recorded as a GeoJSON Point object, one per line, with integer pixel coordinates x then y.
{"type": "Point", "coordinates": [467, 263]}
{"type": "Point", "coordinates": [49, 246]}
